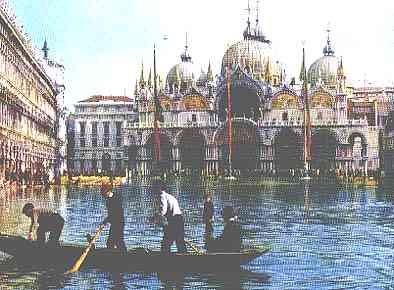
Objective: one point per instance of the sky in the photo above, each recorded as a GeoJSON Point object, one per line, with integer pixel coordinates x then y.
{"type": "Point", "coordinates": [103, 43]}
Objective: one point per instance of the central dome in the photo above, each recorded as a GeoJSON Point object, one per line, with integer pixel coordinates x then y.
{"type": "Point", "coordinates": [248, 53]}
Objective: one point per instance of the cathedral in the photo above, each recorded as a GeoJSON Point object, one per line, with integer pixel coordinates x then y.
{"type": "Point", "coordinates": [266, 116]}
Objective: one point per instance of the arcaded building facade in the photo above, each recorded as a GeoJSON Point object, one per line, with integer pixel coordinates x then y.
{"type": "Point", "coordinates": [28, 105]}
{"type": "Point", "coordinates": [267, 113]}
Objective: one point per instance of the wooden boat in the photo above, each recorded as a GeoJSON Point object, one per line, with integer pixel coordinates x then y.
{"type": "Point", "coordinates": [28, 254]}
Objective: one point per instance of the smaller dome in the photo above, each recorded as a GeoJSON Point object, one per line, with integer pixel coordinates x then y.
{"type": "Point", "coordinates": [324, 71]}
{"type": "Point", "coordinates": [182, 75]}
{"type": "Point", "coordinates": [182, 72]}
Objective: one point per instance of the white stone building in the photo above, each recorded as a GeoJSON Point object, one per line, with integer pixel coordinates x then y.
{"type": "Point", "coordinates": [98, 137]}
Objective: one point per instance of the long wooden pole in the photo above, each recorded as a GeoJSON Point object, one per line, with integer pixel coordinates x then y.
{"type": "Point", "coordinates": [82, 258]}
{"type": "Point", "coordinates": [156, 113]}
{"type": "Point", "coordinates": [229, 123]}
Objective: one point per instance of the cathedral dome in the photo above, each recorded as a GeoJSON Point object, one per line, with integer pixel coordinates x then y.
{"type": "Point", "coordinates": [182, 75]}
{"type": "Point", "coordinates": [182, 72]}
{"type": "Point", "coordinates": [324, 71]}
{"type": "Point", "coordinates": [248, 53]}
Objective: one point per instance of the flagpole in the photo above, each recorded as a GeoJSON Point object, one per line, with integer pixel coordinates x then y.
{"type": "Point", "coordinates": [307, 137]}
{"type": "Point", "coordinates": [229, 124]}
{"type": "Point", "coordinates": [156, 113]}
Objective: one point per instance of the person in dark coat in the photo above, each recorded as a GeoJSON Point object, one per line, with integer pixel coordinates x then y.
{"type": "Point", "coordinates": [115, 216]}
{"type": "Point", "coordinates": [170, 216]}
{"type": "Point", "coordinates": [47, 220]}
{"type": "Point", "coordinates": [208, 215]}
{"type": "Point", "coordinates": [230, 240]}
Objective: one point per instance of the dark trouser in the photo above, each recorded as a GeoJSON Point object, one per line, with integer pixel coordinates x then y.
{"type": "Point", "coordinates": [116, 236]}
{"type": "Point", "coordinates": [174, 231]}
{"type": "Point", "coordinates": [208, 229]}
{"type": "Point", "coordinates": [54, 227]}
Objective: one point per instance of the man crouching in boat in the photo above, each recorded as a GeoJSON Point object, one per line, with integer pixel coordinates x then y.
{"type": "Point", "coordinates": [230, 240]}
{"type": "Point", "coordinates": [115, 216]}
{"type": "Point", "coordinates": [47, 220]}
{"type": "Point", "coordinates": [170, 216]}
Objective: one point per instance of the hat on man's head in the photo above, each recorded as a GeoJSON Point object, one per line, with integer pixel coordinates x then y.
{"type": "Point", "coordinates": [27, 207]}
{"type": "Point", "coordinates": [105, 187]}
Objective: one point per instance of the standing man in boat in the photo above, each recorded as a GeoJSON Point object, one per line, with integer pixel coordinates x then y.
{"type": "Point", "coordinates": [230, 240]}
{"type": "Point", "coordinates": [115, 216]}
{"type": "Point", "coordinates": [170, 216]}
{"type": "Point", "coordinates": [47, 220]}
{"type": "Point", "coordinates": [208, 215]}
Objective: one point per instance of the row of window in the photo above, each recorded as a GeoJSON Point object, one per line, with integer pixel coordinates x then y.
{"type": "Point", "coordinates": [13, 119]}
{"type": "Point", "coordinates": [105, 109]}
{"type": "Point", "coordinates": [94, 143]}
{"type": "Point", "coordinates": [94, 126]}
{"type": "Point", "coordinates": [25, 78]}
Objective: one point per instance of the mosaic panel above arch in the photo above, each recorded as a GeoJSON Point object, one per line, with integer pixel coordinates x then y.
{"type": "Point", "coordinates": [194, 103]}
{"type": "Point", "coordinates": [356, 133]}
{"type": "Point", "coordinates": [285, 101]}
{"type": "Point", "coordinates": [322, 100]}
{"type": "Point", "coordinates": [165, 102]}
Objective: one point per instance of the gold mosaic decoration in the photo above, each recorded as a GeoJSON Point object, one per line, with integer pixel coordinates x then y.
{"type": "Point", "coordinates": [285, 101]}
{"type": "Point", "coordinates": [322, 100]}
{"type": "Point", "coordinates": [195, 103]}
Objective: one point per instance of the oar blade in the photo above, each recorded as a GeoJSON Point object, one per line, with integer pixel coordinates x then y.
{"type": "Point", "coordinates": [81, 259]}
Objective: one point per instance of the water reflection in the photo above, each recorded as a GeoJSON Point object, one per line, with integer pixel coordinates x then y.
{"type": "Point", "coordinates": [319, 234]}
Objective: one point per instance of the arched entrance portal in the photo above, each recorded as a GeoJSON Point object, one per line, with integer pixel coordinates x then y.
{"type": "Point", "coordinates": [192, 147]}
{"type": "Point", "coordinates": [245, 140]}
{"type": "Point", "coordinates": [165, 152]}
{"type": "Point", "coordinates": [358, 145]}
{"type": "Point", "coordinates": [106, 164]}
{"type": "Point", "coordinates": [245, 103]}
{"type": "Point", "coordinates": [288, 151]}
{"type": "Point", "coordinates": [323, 151]}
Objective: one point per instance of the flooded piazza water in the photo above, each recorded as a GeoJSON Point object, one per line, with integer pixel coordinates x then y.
{"type": "Point", "coordinates": [322, 237]}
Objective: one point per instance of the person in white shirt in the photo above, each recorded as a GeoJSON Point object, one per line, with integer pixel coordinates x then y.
{"type": "Point", "coordinates": [172, 219]}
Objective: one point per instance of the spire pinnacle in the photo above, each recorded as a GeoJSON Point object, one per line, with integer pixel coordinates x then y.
{"type": "Point", "coordinates": [328, 49]}
{"type": "Point", "coordinates": [340, 71]}
{"type": "Point", "coordinates": [257, 33]}
{"type": "Point", "coordinates": [136, 88]}
{"type": "Point", "coordinates": [303, 67]}
{"type": "Point", "coordinates": [185, 57]}
{"type": "Point", "coordinates": [142, 80]}
{"type": "Point", "coordinates": [209, 73]}
{"type": "Point", "coordinates": [45, 49]}
{"type": "Point", "coordinates": [257, 12]}
{"type": "Point", "coordinates": [150, 79]}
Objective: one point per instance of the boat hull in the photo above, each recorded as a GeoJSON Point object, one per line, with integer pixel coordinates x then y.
{"type": "Point", "coordinates": [29, 254]}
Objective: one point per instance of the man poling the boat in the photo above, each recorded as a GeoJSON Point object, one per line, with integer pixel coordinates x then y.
{"type": "Point", "coordinates": [115, 216]}
{"type": "Point", "coordinates": [47, 220]}
{"type": "Point", "coordinates": [230, 240]}
{"type": "Point", "coordinates": [208, 215]}
{"type": "Point", "coordinates": [170, 216]}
